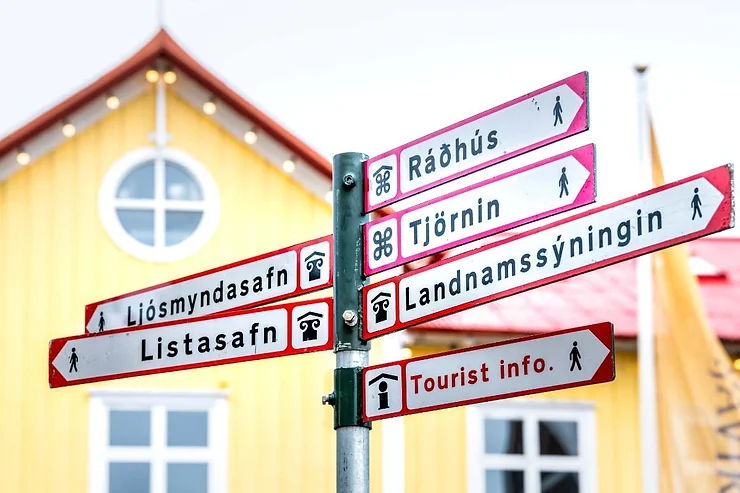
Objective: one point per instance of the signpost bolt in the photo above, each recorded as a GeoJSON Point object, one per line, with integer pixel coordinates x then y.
{"type": "Point", "coordinates": [329, 399]}
{"type": "Point", "coordinates": [349, 180]}
{"type": "Point", "coordinates": [350, 317]}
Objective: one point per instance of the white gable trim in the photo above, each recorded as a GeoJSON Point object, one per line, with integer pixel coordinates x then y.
{"type": "Point", "coordinates": [193, 93]}
{"type": "Point", "coordinates": [267, 147]}
{"type": "Point", "coordinates": [87, 116]}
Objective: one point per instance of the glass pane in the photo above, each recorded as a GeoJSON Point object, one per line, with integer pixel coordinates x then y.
{"type": "Point", "coordinates": [129, 428]}
{"type": "Point", "coordinates": [559, 482]}
{"type": "Point", "coordinates": [139, 224]}
{"type": "Point", "coordinates": [187, 478]}
{"type": "Point", "coordinates": [128, 477]}
{"type": "Point", "coordinates": [503, 437]}
{"type": "Point", "coordinates": [558, 438]}
{"type": "Point", "coordinates": [498, 481]}
{"type": "Point", "coordinates": [139, 184]}
{"type": "Point", "coordinates": [180, 225]}
{"type": "Point", "coordinates": [180, 183]}
{"type": "Point", "coordinates": [187, 429]}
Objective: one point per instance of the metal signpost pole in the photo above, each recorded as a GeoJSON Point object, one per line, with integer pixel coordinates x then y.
{"type": "Point", "coordinates": [353, 437]}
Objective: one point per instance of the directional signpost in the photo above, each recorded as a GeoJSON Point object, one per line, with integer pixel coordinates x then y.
{"type": "Point", "coordinates": [526, 123]}
{"type": "Point", "coordinates": [233, 337]}
{"type": "Point", "coordinates": [524, 195]}
{"type": "Point", "coordinates": [275, 276]}
{"type": "Point", "coordinates": [674, 213]}
{"type": "Point", "coordinates": [559, 360]}
{"type": "Point", "coordinates": [211, 318]}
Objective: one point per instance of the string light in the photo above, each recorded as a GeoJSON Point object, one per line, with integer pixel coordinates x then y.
{"type": "Point", "coordinates": [152, 75]}
{"type": "Point", "coordinates": [289, 165]}
{"type": "Point", "coordinates": [736, 364]}
{"type": "Point", "coordinates": [209, 107]}
{"type": "Point", "coordinates": [329, 197]}
{"type": "Point", "coordinates": [169, 76]}
{"type": "Point", "coordinates": [23, 158]}
{"type": "Point", "coordinates": [250, 137]}
{"type": "Point", "coordinates": [68, 129]}
{"type": "Point", "coordinates": [112, 102]}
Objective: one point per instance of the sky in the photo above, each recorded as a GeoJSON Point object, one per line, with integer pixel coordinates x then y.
{"type": "Point", "coordinates": [369, 76]}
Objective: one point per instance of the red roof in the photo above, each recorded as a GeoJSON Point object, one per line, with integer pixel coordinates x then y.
{"type": "Point", "coordinates": [608, 294]}
{"type": "Point", "coordinates": [162, 45]}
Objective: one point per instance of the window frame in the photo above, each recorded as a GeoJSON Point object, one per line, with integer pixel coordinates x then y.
{"type": "Point", "coordinates": [159, 252]}
{"type": "Point", "coordinates": [158, 454]}
{"type": "Point", "coordinates": [531, 413]}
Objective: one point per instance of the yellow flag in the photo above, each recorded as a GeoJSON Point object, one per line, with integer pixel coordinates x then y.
{"type": "Point", "coordinates": [698, 389]}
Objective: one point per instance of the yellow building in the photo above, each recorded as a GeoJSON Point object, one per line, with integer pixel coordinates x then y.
{"type": "Point", "coordinates": [158, 170]}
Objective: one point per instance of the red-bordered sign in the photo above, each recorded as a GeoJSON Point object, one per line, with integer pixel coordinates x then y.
{"type": "Point", "coordinates": [522, 196]}
{"type": "Point", "coordinates": [232, 337]}
{"type": "Point", "coordinates": [259, 280]}
{"type": "Point", "coordinates": [535, 364]}
{"type": "Point", "coordinates": [659, 218]}
{"type": "Point", "coordinates": [541, 117]}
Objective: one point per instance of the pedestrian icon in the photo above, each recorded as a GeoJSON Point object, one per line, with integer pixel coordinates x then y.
{"type": "Point", "coordinates": [575, 357]}
{"type": "Point", "coordinates": [383, 389]}
{"type": "Point", "coordinates": [563, 182]}
{"type": "Point", "coordinates": [313, 264]}
{"type": "Point", "coordinates": [382, 175]}
{"type": "Point", "coordinates": [380, 306]}
{"type": "Point", "coordinates": [557, 111]}
{"type": "Point", "coordinates": [696, 204]}
{"type": "Point", "coordinates": [308, 323]}
{"type": "Point", "coordinates": [101, 323]}
{"type": "Point", "coordinates": [73, 361]}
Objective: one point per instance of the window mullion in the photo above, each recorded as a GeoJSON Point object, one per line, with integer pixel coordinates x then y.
{"type": "Point", "coordinates": [159, 203]}
{"type": "Point", "coordinates": [159, 444]}
{"type": "Point", "coordinates": [531, 452]}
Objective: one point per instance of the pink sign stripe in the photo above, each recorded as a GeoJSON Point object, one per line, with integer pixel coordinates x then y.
{"type": "Point", "coordinates": [723, 218]}
{"type": "Point", "coordinates": [587, 195]}
{"type": "Point", "coordinates": [577, 83]}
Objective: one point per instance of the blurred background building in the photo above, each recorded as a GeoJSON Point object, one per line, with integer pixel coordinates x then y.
{"type": "Point", "coordinates": [158, 169]}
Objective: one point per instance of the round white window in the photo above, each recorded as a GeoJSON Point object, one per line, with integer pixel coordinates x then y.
{"type": "Point", "coordinates": [159, 206]}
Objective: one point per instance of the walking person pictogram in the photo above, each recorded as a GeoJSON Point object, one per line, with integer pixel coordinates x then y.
{"type": "Point", "coordinates": [696, 204]}
{"type": "Point", "coordinates": [73, 361]}
{"type": "Point", "coordinates": [575, 357]}
{"type": "Point", "coordinates": [563, 182]}
{"type": "Point", "coordinates": [101, 323]}
{"type": "Point", "coordinates": [557, 111]}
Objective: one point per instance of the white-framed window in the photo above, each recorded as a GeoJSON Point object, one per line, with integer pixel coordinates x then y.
{"type": "Point", "coordinates": [159, 205]}
{"type": "Point", "coordinates": [149, 442]}
{"type": "Point", "coordinates": [528, 446]}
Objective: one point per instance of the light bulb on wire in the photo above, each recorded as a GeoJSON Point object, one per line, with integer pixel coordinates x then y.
{"type": "Point", "coordinates": [152, 75]}
{"type": "Point", "coordinates": [68, 129]}
{"type": "Point", "coordinates": [209, 107]}
{"type": "Point", "coordinates": [250, 137]}
{"type": "Point", "coordinates": [112, 102]}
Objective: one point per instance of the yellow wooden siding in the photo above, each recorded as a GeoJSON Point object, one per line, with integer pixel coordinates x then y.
{"type": "Point", "coordinates": [436, 451]}
{"type": "Point", "coordinates": [55, 257]}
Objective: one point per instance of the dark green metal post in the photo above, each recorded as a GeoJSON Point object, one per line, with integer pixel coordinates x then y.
{"type": "Point", "coordinates": [353, 438]}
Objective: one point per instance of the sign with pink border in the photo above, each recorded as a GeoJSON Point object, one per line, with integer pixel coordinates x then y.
{"type": "Point", "coordinates": [650, 221]}
{"type": "Point", "coordinates": [537, 191]}
{"type": "Point", "coordinates": [546, 115]}
{"type": "Point", "coordinates": [502, 370]}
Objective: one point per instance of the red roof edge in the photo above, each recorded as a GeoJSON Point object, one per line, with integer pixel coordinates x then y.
{"type": "Point", "coordinates": [162, 44]}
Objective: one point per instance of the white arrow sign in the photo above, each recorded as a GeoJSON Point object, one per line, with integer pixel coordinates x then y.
{"type": "Point", "coordinates": [570, 358]}
{"type": "Point", "coordinates": [555, 185]}
{"type": "Point", "coordinates": [232, 337]}
{"type": "Point", "coordinates": [536, 119]}
{"type": "Point", "coordinates": [274, 276]}
{"type": "Point", "coordinates": [662, 217]}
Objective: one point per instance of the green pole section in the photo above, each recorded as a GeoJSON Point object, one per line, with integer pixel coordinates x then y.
{"type": "Point", "coordinates": [353, 437]}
